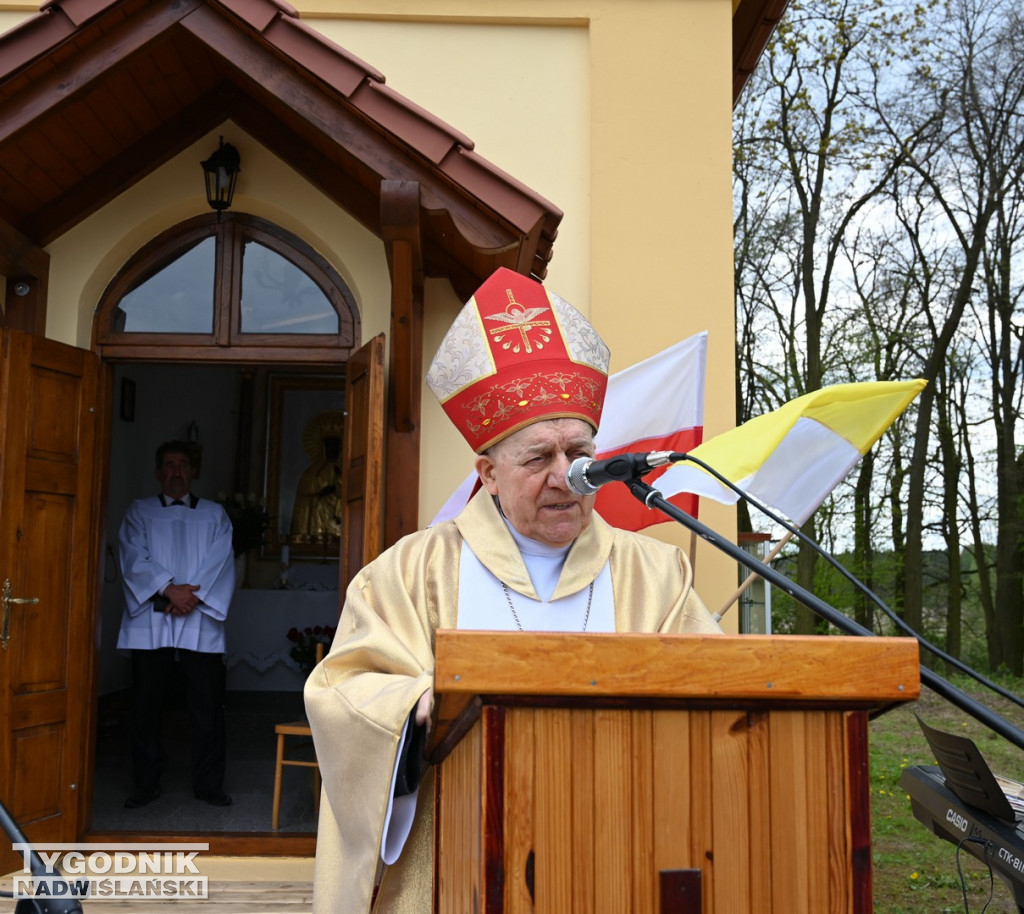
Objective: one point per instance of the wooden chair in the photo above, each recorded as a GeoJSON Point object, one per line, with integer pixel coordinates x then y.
{"type": "Point", "coordinates": [295, 728]}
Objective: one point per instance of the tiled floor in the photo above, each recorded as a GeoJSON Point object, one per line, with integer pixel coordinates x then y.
{"type": "Point", "coordinates": [250, 772]}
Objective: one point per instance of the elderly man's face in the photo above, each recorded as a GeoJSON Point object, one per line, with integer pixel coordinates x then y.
{"type": "Point", "coordinates": [527, 473]}
{"type": "Point", "coordinates": [175, 474]}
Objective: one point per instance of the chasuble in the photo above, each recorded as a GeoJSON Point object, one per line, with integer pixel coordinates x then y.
{"type": "Point", "coordinates": [359, 698]}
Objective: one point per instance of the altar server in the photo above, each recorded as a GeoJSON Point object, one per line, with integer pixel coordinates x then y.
{"type": "Point", "coordinates": [178, 574]}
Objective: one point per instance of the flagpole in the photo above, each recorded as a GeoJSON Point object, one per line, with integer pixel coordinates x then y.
{"type": "Point", "coordinates": [750, 577]}
{"type": "Point", "coordinates": [652, 498]}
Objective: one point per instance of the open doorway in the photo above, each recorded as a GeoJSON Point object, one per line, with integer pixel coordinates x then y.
{"type": "Point", "coordinates": [261, 433]}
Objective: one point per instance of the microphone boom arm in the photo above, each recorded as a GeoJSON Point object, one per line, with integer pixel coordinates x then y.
{"type": "Point", "coordinates": [652, 498]}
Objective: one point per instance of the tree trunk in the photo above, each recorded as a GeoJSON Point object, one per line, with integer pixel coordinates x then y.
{"type": "Point", "coordinates": [951, 468]}
{"type": "Point", "coordinates": [863, 552]}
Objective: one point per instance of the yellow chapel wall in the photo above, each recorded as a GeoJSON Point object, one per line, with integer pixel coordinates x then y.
{"type": "Point", "coordinates": [645, 247]}
{"type": "Point", "coordinates": [618, 111]}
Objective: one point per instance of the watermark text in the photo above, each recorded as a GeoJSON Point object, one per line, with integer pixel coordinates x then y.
{"type": "Point", "coordinates": [121, 871]}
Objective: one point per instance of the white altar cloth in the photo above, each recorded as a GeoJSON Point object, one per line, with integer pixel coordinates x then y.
{"type": "Point", "coordinates": [257, 635]}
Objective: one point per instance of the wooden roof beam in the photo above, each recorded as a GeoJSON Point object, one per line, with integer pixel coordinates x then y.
{"type": "Point", "coordinates": [58, 87]}
{"type": "Point", "coordinates": [347, 128]}
{"type": "Point", "coordinates": [23, 263]}
{"type": "Point", "coordinates": [400, 228]}
{"type": "Point", "coordinates": [753, 22]}
{"type": "Point", "coordinates": [403, 242]}
{"type": "Point", "coordinates": [163, 144]}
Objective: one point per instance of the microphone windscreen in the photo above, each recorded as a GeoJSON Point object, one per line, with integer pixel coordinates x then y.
{"type": "Point", "coordinates": [576, 477]}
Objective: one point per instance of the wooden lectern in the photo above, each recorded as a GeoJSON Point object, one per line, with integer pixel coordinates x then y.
{"type": "Point", "coordinates": [658, 774]}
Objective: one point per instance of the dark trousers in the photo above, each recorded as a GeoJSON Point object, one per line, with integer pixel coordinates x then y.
{"type": "Point", "coordinates": [159, 674]}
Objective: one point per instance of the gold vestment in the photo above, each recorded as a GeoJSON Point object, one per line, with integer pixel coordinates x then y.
{"type": "Point", "coordinates": [382, 660]}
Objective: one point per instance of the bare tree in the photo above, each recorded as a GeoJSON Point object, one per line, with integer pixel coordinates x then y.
{"type": "Point", "coordinates": [882, 332]}
{"type": "Point", "coordinates": [1003, 347]}
{"type": "Point", "coordinates": [978, 510]}
{"type": "Point", "coordinates": [968, 154]}
{"type": "Point", "coordinates": [811, 157]}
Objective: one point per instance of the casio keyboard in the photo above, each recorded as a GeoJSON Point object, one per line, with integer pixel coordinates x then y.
{"type": "Point", "coordinates": [961, 800]}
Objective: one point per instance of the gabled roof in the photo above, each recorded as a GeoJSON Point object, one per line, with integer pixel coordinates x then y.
{"type": "Point", "coordinates": [95, 94]}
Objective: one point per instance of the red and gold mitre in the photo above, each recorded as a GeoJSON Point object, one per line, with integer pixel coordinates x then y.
{"type": "Point", "coordinates": [516, 354]}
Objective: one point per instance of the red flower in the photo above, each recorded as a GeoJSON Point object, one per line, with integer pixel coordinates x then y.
{"type": "Point", "coordinates": [304, 650]}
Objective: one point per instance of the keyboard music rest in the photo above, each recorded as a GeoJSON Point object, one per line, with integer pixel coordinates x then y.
{"type": "Point", "coordinates": [939, 810]}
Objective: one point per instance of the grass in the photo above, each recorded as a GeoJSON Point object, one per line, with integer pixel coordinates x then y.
{"type": "Point", "coordinates": [915, 872]}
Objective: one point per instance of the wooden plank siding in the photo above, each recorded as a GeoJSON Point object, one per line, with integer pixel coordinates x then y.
{"type": "Point", "coordinates": [728, 773]}
{"type": "Point", "coordinates": [597, 803]}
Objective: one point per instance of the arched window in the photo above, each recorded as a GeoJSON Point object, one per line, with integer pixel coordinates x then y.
{"type": "Point", "coordinates": [237, 289]}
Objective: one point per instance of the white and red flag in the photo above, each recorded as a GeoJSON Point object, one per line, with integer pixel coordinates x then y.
{"type": "Point", "coordinates": [655, 405]}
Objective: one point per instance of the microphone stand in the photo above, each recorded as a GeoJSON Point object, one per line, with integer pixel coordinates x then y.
{"type": "Point", "coordinates": [652, 498]}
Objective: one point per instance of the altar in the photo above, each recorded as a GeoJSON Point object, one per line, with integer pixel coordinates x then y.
{"type": "Point", "coordinates": [257, 635]}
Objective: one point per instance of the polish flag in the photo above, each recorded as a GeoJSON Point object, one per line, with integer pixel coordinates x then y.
{"type": "Point", "coordinates": [655, 405]}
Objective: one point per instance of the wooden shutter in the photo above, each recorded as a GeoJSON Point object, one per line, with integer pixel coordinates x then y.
{"type": "Point", "coordinates": [362, 465]}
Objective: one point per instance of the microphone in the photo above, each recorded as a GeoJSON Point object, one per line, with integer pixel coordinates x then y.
{"type": "Point", "coordinates": [586, 475]}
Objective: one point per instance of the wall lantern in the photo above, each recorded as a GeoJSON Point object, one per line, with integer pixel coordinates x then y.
{"type": "Point", "coordinates": [221, 172]}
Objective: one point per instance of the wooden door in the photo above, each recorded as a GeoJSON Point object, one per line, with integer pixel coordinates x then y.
{"type": "Point", "coordinates": [362, 466]}
{"type": "Point", "coordinates": [48, 440]}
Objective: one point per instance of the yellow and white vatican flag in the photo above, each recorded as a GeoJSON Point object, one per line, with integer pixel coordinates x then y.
{"type": "Point", "coordinates": [791, 458]}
